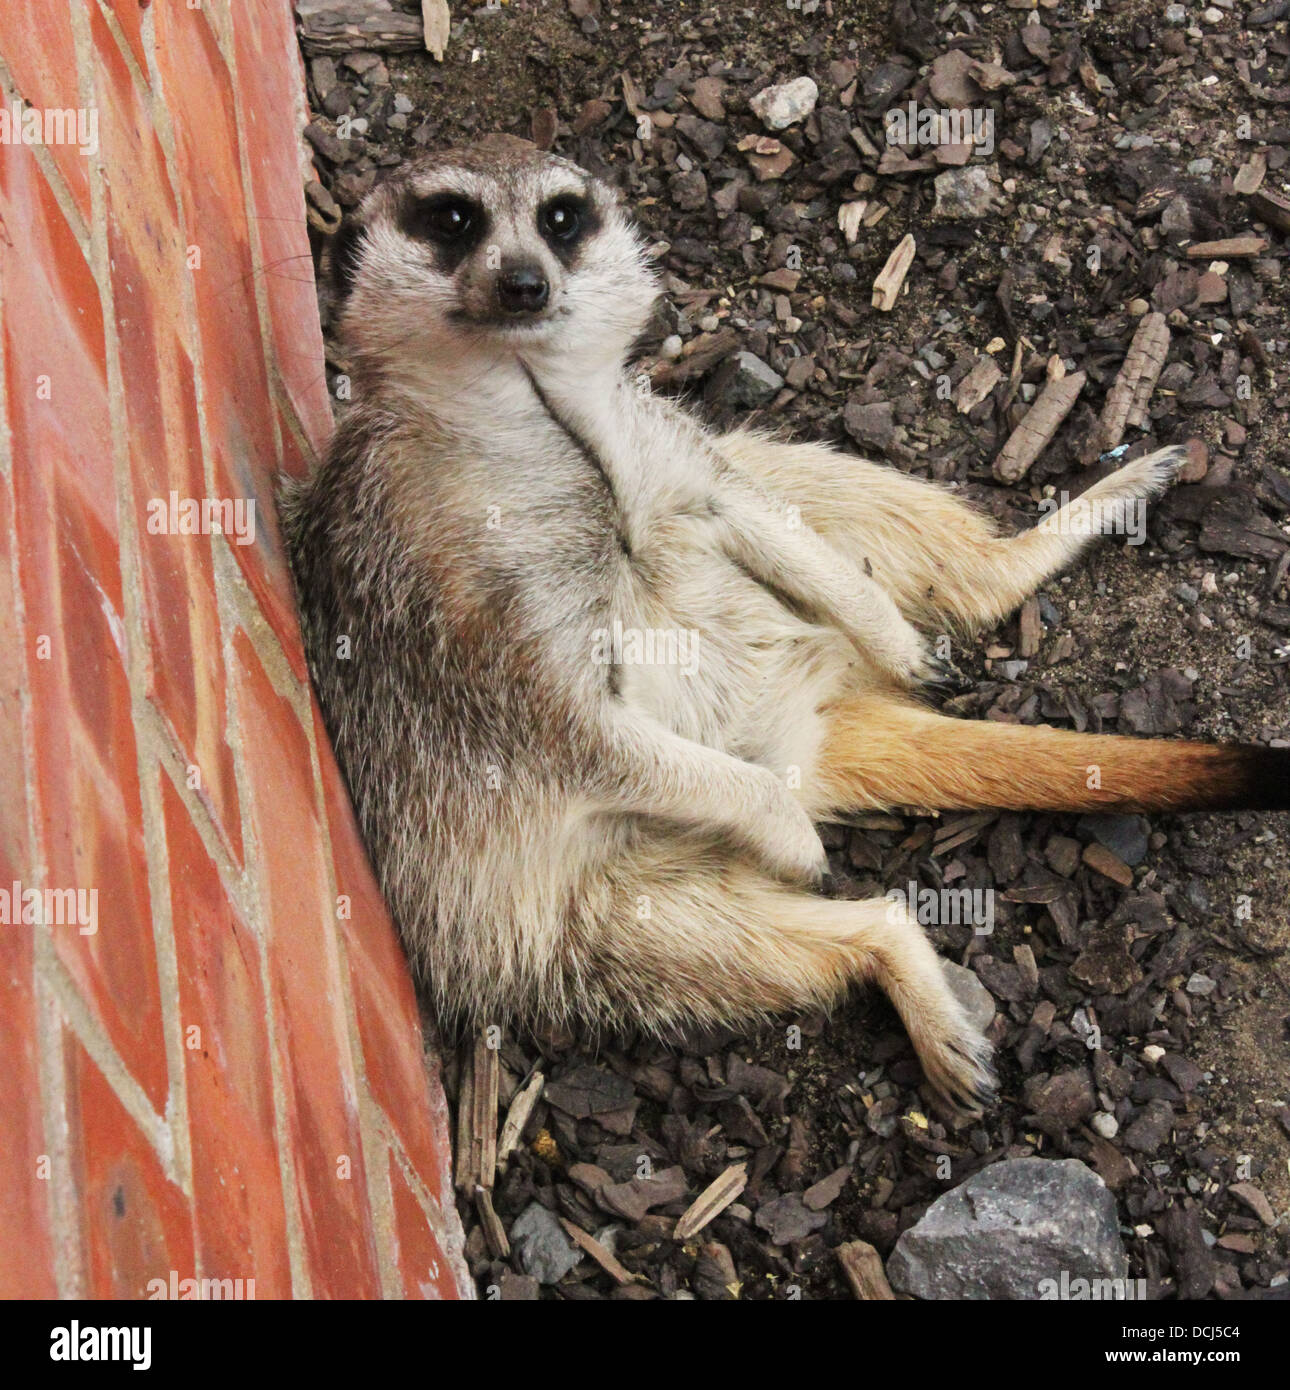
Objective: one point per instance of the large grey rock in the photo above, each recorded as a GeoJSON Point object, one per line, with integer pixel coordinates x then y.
{"type": "Point", "coordinates": [545, 1251]}
{"type": "Point", "coordinates": [1008, 1229]}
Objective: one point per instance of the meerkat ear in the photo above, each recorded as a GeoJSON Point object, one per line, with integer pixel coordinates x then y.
{"type": "Point", "coordinates": [344, 251]}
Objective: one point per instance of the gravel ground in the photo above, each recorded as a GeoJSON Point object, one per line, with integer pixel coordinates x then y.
{"type": "Point", "coordinates": [1136, 972]}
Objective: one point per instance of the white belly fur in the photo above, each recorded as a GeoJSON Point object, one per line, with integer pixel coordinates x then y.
{"type": "Point", "coordinates": [732, 668]}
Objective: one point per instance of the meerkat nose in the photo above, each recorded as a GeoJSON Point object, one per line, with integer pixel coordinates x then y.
{"type": "Point", "coordinates": [523, 290]}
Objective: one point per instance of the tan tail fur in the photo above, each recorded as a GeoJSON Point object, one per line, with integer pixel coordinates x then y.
{"type": "Point", "coordinates": [890, 751]}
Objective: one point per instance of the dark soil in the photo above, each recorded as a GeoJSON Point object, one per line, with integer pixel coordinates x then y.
{"type": "Point", "coordinates": [1159, 1003]}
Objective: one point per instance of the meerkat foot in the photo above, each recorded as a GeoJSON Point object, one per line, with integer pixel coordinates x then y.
{"type": "Point", "coordinates": [956, 1059]}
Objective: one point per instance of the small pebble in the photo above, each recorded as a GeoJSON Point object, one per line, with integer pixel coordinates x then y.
{"type": "Point", "coordinates": [1106, 1125]}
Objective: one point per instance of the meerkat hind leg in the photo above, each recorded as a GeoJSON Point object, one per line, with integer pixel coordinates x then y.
{"type": "Point", "coordinates": [939, 558]}
{"type": "Point", "coordinates": [724, 944]}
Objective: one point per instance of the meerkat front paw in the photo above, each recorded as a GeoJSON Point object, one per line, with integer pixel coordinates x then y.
{"type": "Point", "coordinates": [899, 650]}
{"type": "Point", "coordinates": [786, 841]}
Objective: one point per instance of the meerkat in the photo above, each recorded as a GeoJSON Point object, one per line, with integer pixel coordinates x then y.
{"type": "Point", "coordinates": [564, 835]}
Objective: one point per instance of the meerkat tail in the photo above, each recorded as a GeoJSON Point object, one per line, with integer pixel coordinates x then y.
{"type": "Point", "coordinates": [881, 751]}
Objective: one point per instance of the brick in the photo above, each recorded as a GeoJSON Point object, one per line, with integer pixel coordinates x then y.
{"type": "Point", "coordinates": [129, 15]}
{"type": "Point", "coordinates": [425, 1271]}
{"type": "Point", "coordinates": [26, 1252]}
{"type": "Point", "coordinates": [88, 803]}
{"type": "Point", "coordinates": [298, 460]}
{"type": "Point", "coordinates": [55, 364]}
{"type": "Point", "coordinates": [270, 577]}
{"type": "Point", "coordinates": [26, 1257]}
{"type": "Point", "coordinates": [198, 92]}
{"type": "Point", "coordinates": [135, 1224]}
{"type": "Point", "coordinates": [142, 213]}
{"type": "Point", "coordinates": [237, 1188]}
{"type": "Point", "coordinates": [208, 405]}
{"type": "Point", "coordinates": [37, 45]}
{"type": "Point", "coordinates": [15, 844]}
{"type": "Point", "coordinates": [186, 675]}
{"type": "Point", "coordinates": [308, 1002]}
{"type": "Point", "coordinates": [270, 78]}
{"type": "Point", "coordinates": [87, 796]}
{"type": "Point", "coordinates": [388, 1018]}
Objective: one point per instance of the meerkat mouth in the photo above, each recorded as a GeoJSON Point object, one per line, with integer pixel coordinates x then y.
{"type": "Point", "coordinates": [510, 325]}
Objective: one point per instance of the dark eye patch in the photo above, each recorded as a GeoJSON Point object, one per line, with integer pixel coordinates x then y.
{"type": "Point", "coordinates": [565, 221]}
{"type": "Point", "coordinates": [452, 223]}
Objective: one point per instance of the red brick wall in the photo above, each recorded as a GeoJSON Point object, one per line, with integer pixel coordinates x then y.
{"type": "Point", "coordinates": [226, 1078]}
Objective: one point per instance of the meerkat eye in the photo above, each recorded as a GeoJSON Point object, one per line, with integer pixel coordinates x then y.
{"type": "Point", "coordinates": [561, 220]}
{"type": "Point", "coordinates": [447, 220]}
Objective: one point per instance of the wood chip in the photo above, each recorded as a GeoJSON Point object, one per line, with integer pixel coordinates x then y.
{"type": "Point", "coordinates": [977, 385]}
{"type": "Point", "coordinates": [1253, 1198]}
{"type": "Point", "coordinates": [1227, 248]}
{"type": "Point", "coordinates": [827, 1191]}
{"type": "Point", "coordinates": [632, 95]}
{"type": "Point", "coordinates": [465, 1172]}
{"type": "Point", "coordinates": [1127, 400]}
{"type": "Point", "coordinates": [886, 288]}
{"type": "Point", "coordinates": [712, 1201]}
{"type": "Point", "coordinates": [1030, 627]}
{"type": "Point", "coordinates": [604, 1258]}
{"type": "Point", "coordinates": [482, 1141]}
{"type": "Point", "coordinates": [358, 27]}
{"type": "Point", "coordinates": [1273, 208]}
{"type": "Point", "coordinates": [494, 1233]}
{"type": "Point", "coordinates": [436, 23]}
{"type": "Point", "coordinates": [849, 218]}
{"type": "Point", "coordinates": [704, 352]}
{"type": "Point", "coordinates": [1249, 177]}
{"type": "Point", "coordinates": [1108, 864]}
{"type": "Point", "coordinates": [1031, 437]}
{"type": "Point", "coordinates": [517, 1116]}
{"type": "Point", "coordinates": [543, 126]}
{"type": "Point", "coordinates": [862, 1266]}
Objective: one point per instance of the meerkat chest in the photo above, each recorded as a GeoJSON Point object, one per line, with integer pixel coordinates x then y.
{"type": "Point", "coordinates": [704, 647]}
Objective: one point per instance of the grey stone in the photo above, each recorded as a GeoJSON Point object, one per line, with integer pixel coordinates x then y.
{"type": "Point", "coordinates": [1009, 1229]}
{"type": "Point", "coordinates": [788, 1218]}
{"type": "Point", "coordinates": [517, 1288]}
{"type": "Point", "coordinates": [743, 380]}
{"type": "Point", "coordinates": [689, 190]}
{"type": "Point", "coordinates": [965, 192]}
{"type": "Point", "coordinates": [587, 1090]}
{"type": "Point", "coordinates": [544, 1251]}
{"type": "Point", "coordinates": [1125, 836]}
{"type": "Point", "coordinates": [1067, 1096]}
{"type": "Point", "coordinates": [977, 1001]}
{"type": "Point", "coordinates": [1152, 1127]}
{"type": "Point", "coordinates": [872, 424]}
{"type": "Point", "coordinates": [787, 103]}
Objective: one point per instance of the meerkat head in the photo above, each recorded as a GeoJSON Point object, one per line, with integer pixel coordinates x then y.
{"type": "Point", "coordinates": [495, 246]}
